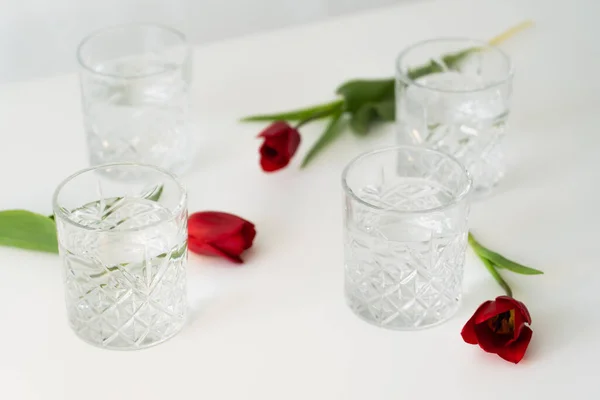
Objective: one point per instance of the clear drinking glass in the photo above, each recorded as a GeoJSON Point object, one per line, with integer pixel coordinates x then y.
{"type": "Point", "coordinates": [461, 108]}
{"type": "Point", "coordinates": [135, 85]}
{"type": "Point", "coordinates": [405, 219]}
{"type": "Point", "coordinates": [124, 251]}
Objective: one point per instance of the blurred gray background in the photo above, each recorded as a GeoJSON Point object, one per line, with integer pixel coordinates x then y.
{"type": "Point", "coordinates": [38, 37]}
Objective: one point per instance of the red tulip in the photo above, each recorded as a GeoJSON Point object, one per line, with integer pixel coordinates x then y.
{"type": "Point", "coordinates": [219, 234]}
{"type": "Point", "coordinates": [280, 145]}
{"type": "Point", "coordinates": [499, 327]}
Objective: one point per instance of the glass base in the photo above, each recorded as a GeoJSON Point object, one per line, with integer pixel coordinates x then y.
{"type": "Point", "coordinates": [126, 346]}
{"type": "Point", "coordinates": [177, 162]}
{"type": "Point", "coordinates": [402, 320]}
{"type": "Point", "coordinates": [486, 172]}
{"type": "Point", "coordinates": [127, 174]}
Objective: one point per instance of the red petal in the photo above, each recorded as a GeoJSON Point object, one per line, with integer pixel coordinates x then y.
{"type": "Point", "coordinates": [208, 226]}
{"type": "Point", "coordinates": [275, 129]}
{"type": "Point", "coordinates": [271, 164]}
{"type": "Point", "coordinates": [468, 331]}
{"type": "Point", "coordinates": [494, 308]}
{"type": "Point", "coordinates": [490, 341]}
{"type": "Point", "coordinates": [248, 233]}
{"type": "Point", "coordinates": [280, 145]}
{"type": "Point", "coordinates": [233, 245]}
{"type": "Point", "coordinates": [520, 324]}
{"type": "Point", "coordinates": [521, 314]}
{"type": "Point", "coordinates": [219, 234]}
{"type": "Point", "coordinates": [521, 309]}
{"type": "Point", "coordinates": [209, 250]}
{"type": "Point", "coordinates": [202, 248]}
{"type": "Point", "coordinates": [293, 142]}
{"type": "Point", "coordinates": [516, 305]}
{"type": "Point", "coordinates": [515, 352]}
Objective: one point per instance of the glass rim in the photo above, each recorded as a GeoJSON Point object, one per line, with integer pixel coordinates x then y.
{"type": "Point", "coordinates": [59, 213]}
{"type": "Point", "coordinates": [102, 31]}
{"type": "Point", "coordinates": [403, 76]}
{"type": "Point", "coordinates": [455, 199]}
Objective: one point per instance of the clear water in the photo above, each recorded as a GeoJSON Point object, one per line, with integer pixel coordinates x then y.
{"type": "Point", "coordinates": [404, 272]}
{"type": "Point", "coordinates": [141, 120]}
{"type": "Point", "coordinates": [125, 289]}
{"type": "Point", "coordinates": [468, 125]}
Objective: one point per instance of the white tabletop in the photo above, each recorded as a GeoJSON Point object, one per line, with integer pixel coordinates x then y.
{"type": "Point", "coordinates": [277, 327]}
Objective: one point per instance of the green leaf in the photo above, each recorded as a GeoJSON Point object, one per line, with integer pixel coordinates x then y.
{"type": "Point", "coordinates": [297, 115]}
{"type": "Point", "coordinates": [362, 118]}
{"type": "Point", "coordinates": [369, 113]}
{"type": "Point", "coordinates": [331, 132]}
{"type": "Point", "coordinates": [501, 261]}
{"type": "Point", "coordinates": [517, 268]}
{"type": "Point", "coordinates": [28, 230]}
{"type": "Point", "coordinates": [386, 110]}
{"type": "Point", "coordinates": [359, 92]}
{"type": "Point", "coordinates": [368, 101]}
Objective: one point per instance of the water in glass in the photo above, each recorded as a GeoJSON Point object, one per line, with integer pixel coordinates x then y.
{"type": "Point", "coordinates": [469, 126]}
{"type": "Point", "coordinates": [125, 274]}
{"type": "Point", "coordinates": [143, 120]}
{"type": "Point", "coordinates": [135, 86]}
{"type": "Point", "coordinates": [405, 237]}
{"type": "Point", "coordinates": [403, 273]}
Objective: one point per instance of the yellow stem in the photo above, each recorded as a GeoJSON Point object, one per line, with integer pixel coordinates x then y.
{"type": "Point", "coordinates": [510, 32]}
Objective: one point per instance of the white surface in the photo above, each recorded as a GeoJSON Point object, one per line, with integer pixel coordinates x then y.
{"type": "Point", "coordinates": [38, 37]}
{"type": "Point", "coordinates": [277, 328]}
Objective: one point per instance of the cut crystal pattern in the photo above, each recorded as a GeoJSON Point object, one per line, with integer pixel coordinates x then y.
{"type": "Point", "coordinates": [405, 241]}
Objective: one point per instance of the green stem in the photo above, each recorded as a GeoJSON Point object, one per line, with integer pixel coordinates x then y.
{"type": "Point", "coordinates": [330, 133]}
{"type": "Point", "coordinates": [322, 110]}
{"type": "Point", "coordinates": [496, 275]}
{"type": "Point", "coordinates": [492, 269]}
{"type": "Point", "coordinates": [452, 61]}
{"type": "Point", "coordinates": [447, 62]}
{"type": "Point", "coordinates": [174, 255]}
{"type": "Point", "coordinates": [320, 114]}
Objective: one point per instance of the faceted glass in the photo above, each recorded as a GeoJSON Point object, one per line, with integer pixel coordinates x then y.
{"type": "Point", "coordinates": [124, 253]}
{"type": "Point", "coordinates": [461, 108]}
{"type": "Point", "coordinates": [405, 236]}
{"type": "Point", "coordinates": [135, 85]}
